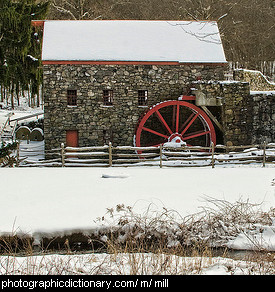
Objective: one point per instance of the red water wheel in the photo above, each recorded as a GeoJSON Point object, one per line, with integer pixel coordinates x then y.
{"type": "Point", "coordinates": [175, 121]}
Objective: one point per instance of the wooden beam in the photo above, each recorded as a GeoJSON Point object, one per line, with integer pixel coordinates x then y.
{"type": "Point", "coordinates": [213, 118]}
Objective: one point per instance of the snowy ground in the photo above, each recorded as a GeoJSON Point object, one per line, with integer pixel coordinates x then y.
{"type": "Point", "coordinates": [58, 200]}
{"type": "Point", "coordinates": [63, 200]}
{"type": "Point", "coordinates": [129, 264]}
{"type": "Point", "coordinates": [19, 111]}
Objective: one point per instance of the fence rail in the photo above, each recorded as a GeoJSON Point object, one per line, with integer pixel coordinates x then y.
{"type": "Point", "coordinates": [109, 155]}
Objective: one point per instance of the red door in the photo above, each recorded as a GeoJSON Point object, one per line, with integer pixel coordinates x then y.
{"type": "Point", "coordinates": [72, 138]}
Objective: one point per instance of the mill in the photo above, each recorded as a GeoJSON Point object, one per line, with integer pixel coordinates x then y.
{"type": "Point", "coordinates": [140, 82]}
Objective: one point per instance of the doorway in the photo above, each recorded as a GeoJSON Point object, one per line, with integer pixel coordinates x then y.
{"type": "Point", "coordinates": [72, 138]}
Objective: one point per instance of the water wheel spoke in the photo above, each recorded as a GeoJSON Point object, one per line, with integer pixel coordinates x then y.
{"type": "Point", "coordinates": [195, 134]}
{"type": "Point", "coordinates": [164, 122]}
{"type": "Point", "coordinates": [177, 118]}
{"type": "Point", "coordinates": [155, 132]}
{"type": "Point", "coordinates": [186, 122]}
{"type": "Point", "coordinates": [174, 116]}
{"type": "Point", "coordinates": [189, 124]}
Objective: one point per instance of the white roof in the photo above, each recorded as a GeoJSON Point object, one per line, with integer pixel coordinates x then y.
{"type": "Point", "coordinates": [132, 40]}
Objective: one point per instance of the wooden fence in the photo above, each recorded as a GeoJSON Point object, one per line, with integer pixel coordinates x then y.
{"type": "Point", "coordinates": [109, 155]}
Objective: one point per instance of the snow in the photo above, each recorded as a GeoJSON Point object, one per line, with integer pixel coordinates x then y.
{"type": "Point", "coordinates": [176, 142]}
{"type": "Point", "coordinates": [264, 238]}
{"type": "Point", "coordinates": [270, 92]}
{"type": "Point", "coordinates": [32, 58]}
{"type": "Point", "coordinates": [133, 40]}
{"type": "Point", "coordinates": [121, 264]}
{"type": "Point", "coordinates": [20, 111]}
{"type": "Point", "coordinates": [120, 175]}
{"type": "Point", "coordinates": [65, 200]}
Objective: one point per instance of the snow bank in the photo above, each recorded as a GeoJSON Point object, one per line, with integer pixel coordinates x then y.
{"type": "Point", "coordinates": [261, 239]}
{"type": "Point", "coordinates": [59, 200]}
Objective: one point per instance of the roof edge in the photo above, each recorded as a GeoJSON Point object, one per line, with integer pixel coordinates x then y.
{"type": "Point", "coordinates": [151, 20]}
{"type": "Point", "coordinates": [38, 23]}
{"type": "Point", "coordinates": [81, 62]}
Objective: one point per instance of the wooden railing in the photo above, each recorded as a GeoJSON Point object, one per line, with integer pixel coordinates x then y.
{"type": "Point", "coordinates": [27, 117]}
{"type": "Point", "coordinates": [16, 120]}
{"type": "Point", "coordinates": [109, 155]}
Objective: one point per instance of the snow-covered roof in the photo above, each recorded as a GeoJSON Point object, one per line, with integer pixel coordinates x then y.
{"type": "Point", "coordinates": [132, 40]}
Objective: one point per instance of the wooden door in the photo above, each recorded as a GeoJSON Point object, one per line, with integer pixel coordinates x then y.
{"type": "Point", "coordinates": [72, 138]}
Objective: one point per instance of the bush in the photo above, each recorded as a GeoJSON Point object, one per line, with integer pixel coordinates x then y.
{"type": "Point", "coordinates": [166, 230]}
{"type": "Point", "coordinates": [7, 157]}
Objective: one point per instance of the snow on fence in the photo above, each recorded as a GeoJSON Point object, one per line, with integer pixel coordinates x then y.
{"type": "Point", "coordinates": [109, 155]}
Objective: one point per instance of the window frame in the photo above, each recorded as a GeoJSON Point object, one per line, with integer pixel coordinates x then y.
{"type": "Point", "coordinates": [143, 97]}
{"type": "Point", "coordinates": [108, 97]}
{"type": "Point", "coordinates": [71, 97]}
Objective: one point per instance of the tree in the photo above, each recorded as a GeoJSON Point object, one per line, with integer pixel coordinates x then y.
{"type": "Point", "coordinates": [7, 158]}
{"type": "Point", "coordinates": [83, 9]}
{"type": "Point", "coordinates": [19, 46]}
{"type": "Point", "coordinates": [246, 26]}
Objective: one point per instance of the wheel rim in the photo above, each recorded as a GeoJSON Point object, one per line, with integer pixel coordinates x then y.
{"type": "Point", "coordinates": [175, 121]}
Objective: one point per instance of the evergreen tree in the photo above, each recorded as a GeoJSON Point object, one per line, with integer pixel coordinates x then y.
{"type": "Point", "coordinates": [7, 157]}
{"type": "Point", "coordinates": [20, 48]}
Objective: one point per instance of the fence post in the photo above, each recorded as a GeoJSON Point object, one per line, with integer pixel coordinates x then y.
{"type": "Point", "coordinates": [212, 159]}
{"type": "Point", "coordinates": [264, 154]}
{"type": "Point", "coordinates": [160, 156]}
{"type": "Point", "coordinates": [17, 154]}
{"type": "Point", "coordinates": [110, 154]}
{"type": "Point", "coordinates": [62, 155]}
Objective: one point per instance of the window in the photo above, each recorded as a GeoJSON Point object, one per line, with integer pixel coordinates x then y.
{"type": "Point", "coordinates": [71, 97]}
{"type": "Point", "coordinates": [142, 97]}
{"type": "Point", "coordinates": [108, 98]}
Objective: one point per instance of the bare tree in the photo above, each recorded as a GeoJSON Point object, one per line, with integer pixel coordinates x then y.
{"type": "Point", "coordinates": [74, 9]}
{"type": "Point", "coordinates": [83, 9]}
{"type": "Point", "coordinates": [246, 26]}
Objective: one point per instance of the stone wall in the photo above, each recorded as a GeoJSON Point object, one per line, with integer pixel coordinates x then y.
{"type": "Point", "coordinates": [263, 118]}
{"type": "Point", "coordinates": [248, 117]}
{"type": "Point", "coordinates": [97, 123]}
{"type": "Point", "coordinates": [233, 100]}
{"type": "Point", "coordinates": [236, 113]}
{"type": "Point", "coordinates": [256, 79]}
{"type": "Point", "coordinates": [261, 104]}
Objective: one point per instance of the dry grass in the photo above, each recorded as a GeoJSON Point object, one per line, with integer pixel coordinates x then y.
{"type": "Point", "coordinates": [166, 229]}
{"type": "Point", "coordinates": [158, 242]}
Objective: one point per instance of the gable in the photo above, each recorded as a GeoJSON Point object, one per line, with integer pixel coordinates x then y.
{"type": "Point", "coordinates": [132, 41]}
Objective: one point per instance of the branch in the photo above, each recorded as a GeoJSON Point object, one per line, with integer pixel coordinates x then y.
{"type": "Point", "coordinates": [63, 10]}
{"type": "Point", "coordinates": [70, 4]}
{"type": "Point", "coordinates": [205, 37]}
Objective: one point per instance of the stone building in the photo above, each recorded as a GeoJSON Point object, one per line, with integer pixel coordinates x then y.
{"type": "Point", "coordinates": [107, 81]}
{"type": "Point", "coordinates": [100, 77]}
